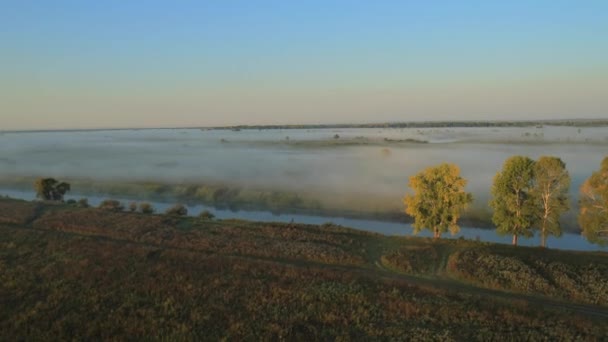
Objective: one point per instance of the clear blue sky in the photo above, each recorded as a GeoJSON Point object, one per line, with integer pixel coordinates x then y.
{"type": "Point", "coordinates": [74, 64]}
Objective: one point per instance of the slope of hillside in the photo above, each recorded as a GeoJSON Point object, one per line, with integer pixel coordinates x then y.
{"type": "Point", "coordinates": [68, 273]}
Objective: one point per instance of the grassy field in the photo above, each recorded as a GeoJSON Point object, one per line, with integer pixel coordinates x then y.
{"type": "Point", "coordinates": [84, 273]}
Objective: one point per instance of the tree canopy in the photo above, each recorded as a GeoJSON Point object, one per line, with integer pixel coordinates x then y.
{"type": "Point", "coordinates": [177, 210]}
{"type": "Point", "coordinates": [49, 189]}
{"type": "Point", "coordinates": [551, 184]}
{"type": "Point", "coordinates": [512, 199]}
{"type": "Point", "coordinates": [438, 200]}
{"type": "Point", "coordinates": [593, 216]}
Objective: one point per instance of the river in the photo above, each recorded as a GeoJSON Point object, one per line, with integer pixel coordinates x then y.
{"type": "Point", "coordinates": [567, 241]}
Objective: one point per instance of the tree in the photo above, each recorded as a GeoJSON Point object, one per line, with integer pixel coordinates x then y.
{"type": "Point", "coordinates": [551, 185]}
{"type": "Point", "coordinates": [206, 215]}
{"type": "Point", "coordinates": [177, 210]}
{"type": "Point", "coordinates": [132, 207]}
{"type": "Point", "coordinates": [49, 189]}
{"type": "Point", "coordinates": [512, 198]}
{"type": "Point", "coordinates": [438, 200]}
{"type": "Point", "coordinates": [146, 208]}
{"type": "Point", "coordinates": [593, 216]}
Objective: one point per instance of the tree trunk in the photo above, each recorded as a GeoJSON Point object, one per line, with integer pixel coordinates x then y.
{"type": "Point", "coordinates": [543, 239]}
{"type": "Point", "coordinates": [514, 240]}
{"type": "Point", "coordinates": [436, 234]}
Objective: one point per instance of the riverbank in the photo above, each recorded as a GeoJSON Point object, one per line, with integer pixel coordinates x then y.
{"type": "Point", "coordinates": [568, 241]}
{"type": "Point", "coordinates": [239, 198]}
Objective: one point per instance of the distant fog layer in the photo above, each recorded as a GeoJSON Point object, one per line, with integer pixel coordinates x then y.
{"type": "Point", "coordinates": [353, 169]}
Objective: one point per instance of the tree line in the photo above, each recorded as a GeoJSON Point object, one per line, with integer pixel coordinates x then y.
{"type": "Point", "coordinates": [527, 195]}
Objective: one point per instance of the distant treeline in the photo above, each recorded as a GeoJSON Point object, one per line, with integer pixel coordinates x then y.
{"type": "Point", "coordinates": [430, 124]}
{"type": "Point", "coordinates": [412, 124]}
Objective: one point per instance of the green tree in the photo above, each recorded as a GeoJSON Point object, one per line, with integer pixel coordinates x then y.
{"type": "Point", "coordinates": [206, 215]}
{"type": "Point", "coordinates": [512, 198]}
{"type": "Point", "coordinates": [593, 216]}
{"type": "Point", "coordinates": [49, 189]}
{"type": "Point", "coordinates": [438, 200]}
{"type": "Point", "coordinates": [177, 210]}
{"type": "Point", "coordinates": [551, 185]}
{"type": "Point", "coordinates": [146, 208]}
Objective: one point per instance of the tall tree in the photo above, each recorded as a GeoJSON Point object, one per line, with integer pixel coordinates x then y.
{"type": "Point", "coordinates": [438, 200]}
{"type": "Point", "coordinates": [551, 185]}
{"type": "Point", "coordinates": [512, 198]}
{"type": "Point", "coordinates": [593, 216]}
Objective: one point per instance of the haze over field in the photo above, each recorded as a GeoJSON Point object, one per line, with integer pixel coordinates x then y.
{"type": "Point", "coordinates": [364, 170]}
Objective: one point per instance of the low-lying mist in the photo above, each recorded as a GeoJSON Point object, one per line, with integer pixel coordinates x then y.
{"type": "Point", "coordinates": [356, 170]}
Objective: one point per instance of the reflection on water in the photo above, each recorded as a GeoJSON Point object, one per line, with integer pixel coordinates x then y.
{"type": "Point", "coordinates": [567, 241]}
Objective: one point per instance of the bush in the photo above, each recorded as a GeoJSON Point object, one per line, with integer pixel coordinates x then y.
{"type": "Point", "coordinates": [132, 207]}
{"type": "Point", "coordinates": [71, 201]}
{"type": "Point", "coordinates": [206, 215]}
{"type": "Point", "coordinates": [83, 203]}
{"type": "Point", "coordinates": [111, 205]}
{"type": "Point", "coordinates": [177, 210]}
{"type": "Point", "coordinates": [146, 208]}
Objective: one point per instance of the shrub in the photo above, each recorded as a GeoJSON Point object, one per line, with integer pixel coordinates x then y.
{"type": "Point", "coordinates": [146, 208]}
{"type": "Point", "coordinates": [206, 215]}
{"type": "Point", "coordinates": [71, 201]}
{"type": "Point", "coordinates": [83, 203]}
{"type": "Point", "coordinates": [132, 207]}
{"type": "Point", "coordinates": [111, 205]}
{"type": "Point", "coordinates": [177, 210]}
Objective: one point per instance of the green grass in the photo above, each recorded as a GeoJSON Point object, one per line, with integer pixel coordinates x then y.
{"type": "Point", "coordinates": [76, 273]}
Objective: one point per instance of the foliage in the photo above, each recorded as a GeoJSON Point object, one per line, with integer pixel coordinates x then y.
{"type": "Point", "coordinates": [551, 185]}
{"type": "Point", "coordinates": [83, 203]}
{"type": "Point", "coordinates": [438, 200]}
{"type": "Point", "coordinates": [133, 207]}
{"type": "Point", "coordinates": [413, 259]}
{"type": "Point", "coordinates": [593, 216]}
{"type": "Point", "coordinates": [111, 205]}
{"type": "Point", "coordinates": [232, 237]}
{"type": "Point", "coordinates": [206, 215]}
{"type": "Point", "coordinates": [49, 189]}
{"type": "Point", "coordinates": [146, 208]}
{"type": "Point", "coordinates": [145, 277]}
{"type": "Point", "coordinates": [532, 272]}
{"type": "Point", "coordinates": [512, 198]}
{"type": "Point", "coordinates": [139, 292]}
{"type": "Point", "coordinates": [177, 210]}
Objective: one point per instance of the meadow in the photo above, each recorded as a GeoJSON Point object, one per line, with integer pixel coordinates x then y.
{"type": "Point", "coordinates": [86, 273]}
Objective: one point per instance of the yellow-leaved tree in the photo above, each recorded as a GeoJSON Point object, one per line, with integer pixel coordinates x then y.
{"type": "Point", "coordinates": [593, 216]}
{"type": "Point", "coordinates": [438, 200]}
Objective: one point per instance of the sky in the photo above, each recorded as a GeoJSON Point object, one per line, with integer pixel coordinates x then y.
{"type": "Point", "coordinates": [115, 63]}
